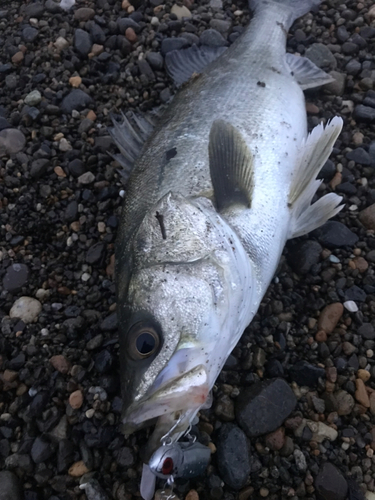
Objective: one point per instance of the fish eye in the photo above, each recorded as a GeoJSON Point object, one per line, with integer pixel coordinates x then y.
{"type": "Point", "coordinates": [143, 340]}
{"type": "Point", "coordinates": [167, 467]}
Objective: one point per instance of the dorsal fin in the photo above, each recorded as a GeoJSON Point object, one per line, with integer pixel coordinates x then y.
{"type": "Point", "coordinates": [231, 166]}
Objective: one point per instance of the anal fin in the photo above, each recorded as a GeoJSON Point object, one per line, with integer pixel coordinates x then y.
{"type": "Point", "coordinates": [182, 64]}
{"type": "Point", "coordinates": [306, 73]}
{"type": "Point", "coordinates": [231, 166]}
{"type": "Point", "coordinates": [314, 152]}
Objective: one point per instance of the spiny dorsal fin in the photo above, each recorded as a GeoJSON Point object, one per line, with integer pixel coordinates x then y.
{"type": "Point", "coordinates": [306, 73]}
{"type": "Point", "coordinates": [313, 154]}
{"type": "Point", "coordinates": [183, 64]}
{"type": "Point", "coordinates": [231, 166]}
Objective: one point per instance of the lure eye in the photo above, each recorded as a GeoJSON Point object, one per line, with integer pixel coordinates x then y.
{"type": "Point", "coordinates": [143, 340]}
{"type": "Point", "coordinates": [167, 467]}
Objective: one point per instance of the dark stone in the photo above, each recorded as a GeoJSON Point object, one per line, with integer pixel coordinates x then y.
{"type": "Point", "coordinates": [4, 123]}
{"type": "Point", "coordinates": [342, 34]}
{"type": "Point", "coordinates": [16, 277]}
{"type": "Point", "coordinates": [359, 155]}
{"type": "Point", "coordinates": [145, 69]}
{"type": "Point", "coordinates": [364, 113]}
{"type": "Point", "coordinates": [366, 331]}
{"type": "Point", "coordinates": [233, 456]}
{"type": "Point", "coordinates": [346, 188]}
{"type": "Point", "coordinates": [353, 67]}
{"type": "Point", "coordinates": [65, 455]}
{"type": "Point", "coordinates": [302, 256]}
{"type": "Point", "coordinates": [212, 38]}
{"type": "Point", "coordinates": [110, 323]}
{"type": "Point", "coordinates": [155, 59]}
{"type": "Point", "coordinates": [103, 361]}
{"type": "Point", "coordinates": [349, 48]}
{"type": "Point", "coordinates": [306, 374]}
{"type": "Point", "coordinates": [41, 450]}
{"type": "Point", "coordinates": [330, 484]}
{"type": "Point", "coordinates": [17, 362]}
{"type": "Point", "coordinates": [169, 44]}
{"type": "Point", "coordinates": [39, 403]}
{"type": "Point", "coordinates": [264, 406]}
{"type": "Point", "coordinates": [97, 34]}
{"type": "Point", "coordinates": [52, 7]}
{"type": "Point", "coordinates": [320, 55]}
{"type": "Point", "coordinates": [10, 486]}
{"type": "Point", "coordinates": [82, 42]}
{"type": "Point", "coordinates": [76, 99]}
{"type": "Point", "coordinates": [125, 457]}
{"type": "Point", "coordinates": [95, 253]}
{"type": "Point", "coordinates": [355, 293]}
{"type": "Point", "coordinates": [76, 167]}
{"type": "Point", "coordinates": [126, 22]}
{"type": "Point", "coordinates": [274, 369]}
{"type": "Point", "coordinates": [328, 171]}
{"type": "Point", "coordinates": [35, 9]}
{"type": "Point", "coordinates": [39, 167]}
{"type": "Point", "coordinates": [335, 234]}
{"type": "Point", "coordinates": [71, 211]}
{"type": "Point", "coordinates": [29, 34]}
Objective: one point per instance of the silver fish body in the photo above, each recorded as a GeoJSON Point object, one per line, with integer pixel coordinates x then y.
{"type": "Point", "coordinates": [193, 258]}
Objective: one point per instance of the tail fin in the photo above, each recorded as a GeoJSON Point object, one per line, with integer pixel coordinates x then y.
{"type": "Point", "coordinates": [297, 8]}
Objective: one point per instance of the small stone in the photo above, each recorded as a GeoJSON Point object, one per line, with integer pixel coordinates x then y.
{"type": "Point", "coordinates": [303, 373]}
{"type": "Point", "coordinates": [16, 277]}
{"type": "Point", "coordinates": [224, 408]}
{"type": "Point", "coordinates": [330, 316]}
{"type": "Point", "coordinates": [367, 216]}
{"type": "Point", "coordinates": [75, 81]}
{"type": "Point", "coordinates": [264, 492]}
{"type": "Point", "coordinates": [76, 399]}
{"type": "Point", "coordinates": [337, 87]}
{"type": "Point", "coordinates": [334, 234]}
{"type": "Point", "coordinates": [169, 44]}
{"type": "Point", "coordinates": [233, 456]}
{"type": "Point", "coordinates": [264, 406]}
{"type": "Point", "coordinates": [86, 178]}
{"type": "Point", "coordinates": [364, 114]}
{"type": "Point", "coordinates": [10, 486]}
{"type": "Point", "coordinates": [321, 431]}
{"type": "Point", "coordinates": [366, 331]}
{"type": "Point", "coordinates": [130, 35]}
{"type": "Point", "coordinates": [358, 138]}
{"type": "Point", "coordinates": [361, 264]}
{"type": "Point", "coordinates": [61, 43]}
{"type": "Point", "coordinates": [29, 34]}
{"type": "Point", "coordinates": [355, 293]}
{"type": "Point", "coordinates": [303, 255]}
{"type": "Point", "coordinates": [300, 460]}
{"type": "Point", "coordinates": [341, 401]}
{"type": "Point", "coordinates": [64, 145]}
{"type": "Point", "coordinates": [320, 55]}
{"type": "Point", "coordinates": [12, 141]}
{"type": "Point", "coordinates": [41, 450]}
{"type": "Point", "coordinates": [59, 172]}
{"type": "Point", "coordinates": [192, 495]}
{"type": "Point", "coordinates": [82, 42]}
{"type": "Point", "coordinates": [364, 375]}
{"type": "Point", "coordinates": [33, 98]}
{"type": "Point", "coordinates": [155, 60]}
{"type": "Point", "coordinates": [212, 38]}
{"type": "Point", "coordinates": [96, 50]}
{"type": "Point", "coordinates": [78, 469]}
{"type": "Point", "coordinates": [361, 394]}
{"type": "Point", "coordinates": [351, 306]}
{"type": "Point", "coordinates": [312, 109]}
{"type": "Point", "coordinates": [77, 99]}
{"type": "Point", "coordinates": [330, 483]}
{"type": "Point", "coordinates": [180, 12]}
{"type": "Point", "coordinates": [18, 57]}
{"type": "Point", "coordinates": [84, 14]}
{"type": "Point", "coordinates": [60, 363]}
{"type": "Point", "coordinates": [26, 308]}
{"type": "Point", "coordinates": [276, 439]}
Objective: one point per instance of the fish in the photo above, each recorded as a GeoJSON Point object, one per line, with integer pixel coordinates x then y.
{"type": "Point", "coordinates": [218, 185]}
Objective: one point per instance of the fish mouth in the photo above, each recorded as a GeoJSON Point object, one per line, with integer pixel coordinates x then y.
{"type": "Point", "coordinates": [181, 396]}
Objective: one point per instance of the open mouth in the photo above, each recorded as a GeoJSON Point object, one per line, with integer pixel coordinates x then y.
{"type": "Point", "coordinates": [182, 394]}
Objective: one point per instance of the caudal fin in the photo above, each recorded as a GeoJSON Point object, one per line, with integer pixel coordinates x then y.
{"type": "Point", "coordinates": [297, 8]}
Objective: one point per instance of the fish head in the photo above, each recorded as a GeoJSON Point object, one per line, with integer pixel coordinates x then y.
{"type": "Point", "coordinates": [166, 461]}
{"type": "Point", "coordinates": [174, 316]}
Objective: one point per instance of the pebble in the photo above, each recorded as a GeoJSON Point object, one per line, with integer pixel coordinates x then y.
{"type": "Point", "coordinates": [41, 450]}
{"type": "Point", "coordinates": [12, 141]}
{"type": "Point", "coordinates": [340, 401]}
{"type": "Point", "coordinates": [361, 394]}
{"type": "Point", "coordinates": [337, 87]}
{"type": "Point", "coordinates": [33, 98]}
{"type": "Point", "coordinates": [364, 114]}
{"type": "Point", "coordinates": [82, 42]}
{"type": "Point", "coordinates": [212, 38]}
{"type": "Point", "coordinates": [93, 490]}
{"type": "Point", "coordinates": [180, 12]}
{"type": "Point", "coordinates": [16, 277]}
{"type": "Point", "coordinates": [10, 486]}
{"type": "Point", "coordinates": [367, 216]}
{"type": "Point", "coordinates": [233, 456]}
{"type": "Point", "coordinates": [366, 331]}
{"type": "Point", "coordinates": [192, 495]}
{"type": "Point", "coordinates": [320, 55]}
{"type": "Point", "coordinates": [61, 43]}
{"type": "Point", "coordinates": [276, 439]}
{"type": "Point", "coordinates": [75, 81]}
{"type": "Point", "coordinates": [350, 306]}
{"type": "Point", "coordinates": [60, 363]}
{"type": "Point", "coordinates": [76, 100]}
{"type": "Point", "coordinates": [78, 469]}
{"type": "Point", "coordinates": [224, 408]}
{"type": "Point", "coordinates": [300, 460]}
{"type": "Point", "coordinates": [86, 178]}
{"type": "Point", "coordinates": [264, 406]}
{"type": "Point", "coordinates": [364, 375]}
{"type": "Point", "coordinates": [84, 14]}
{"type": "Point", "coordinates": [334, 234]}
{"type": "Point", "coordinates": [359, 155]}
{"type": "Point", "coordinates": [26, 308]}
{"type": "Point", "coordinates": [330, 316]}
{"type": "Point", "coordinates": [330, 483]}
{"type": "Point", "coordinates": [169, 44]}
{"type": "Point", "coordinates": [306, 374]}
{"type": "Point", "coordinates": [29, 34]}
{"type": "Point", "coordinates": [76, 399]}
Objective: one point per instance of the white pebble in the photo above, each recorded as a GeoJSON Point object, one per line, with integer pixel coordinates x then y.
{"type": "Point", "coordinates": [334, 259]}
{"type": "Point", "coordinates": [345, 446]}
{"type": "Point", "coordinates": [42, 294]}
{"type": "Point", "coordinates": [353, 208]}
{"type": "Point", "coordinates": [32, 392]}
{"type": "Point", "coordinates": [369, 353]}
{"type": "Point", "coordinates": [90, 413]}
{"type": "Point", "coordinates": [44, 332]}
{"type": "Point", "coordinates": [155, 21]}
{"type": "Point", "coordinates": [85, 277]}
{"type": "Point", "coordinates": [351, 306]}
{"type": "Point", "coordinates": [67, 4]}
{"type": "Point", "coordinates": [69, 242]}
{"type": "Point", "coordinates": [122, 193]}
{"type": "Point", "coordinates": [26, 308]}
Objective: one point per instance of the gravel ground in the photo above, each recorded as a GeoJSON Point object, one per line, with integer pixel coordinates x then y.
{"type": "Point", "coordinates": [294, 408]}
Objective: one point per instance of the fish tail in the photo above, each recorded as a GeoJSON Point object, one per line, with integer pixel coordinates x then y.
{"type": "Point", "coordinates": [297, 8]}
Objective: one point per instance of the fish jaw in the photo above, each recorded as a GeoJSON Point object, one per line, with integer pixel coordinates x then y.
{"type": "Point", "coordinates": [181, 394]}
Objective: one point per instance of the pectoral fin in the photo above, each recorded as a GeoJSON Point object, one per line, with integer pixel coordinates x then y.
{"type": "Point", "coordinates": [313, 155]}
{"type": "Point", "coordinates": [231, 166]}
{"type": "Point", "coordinates": [307, 74]}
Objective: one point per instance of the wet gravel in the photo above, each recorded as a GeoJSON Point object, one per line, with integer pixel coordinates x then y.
{"type": "Point", "coordinates": [62, 73]}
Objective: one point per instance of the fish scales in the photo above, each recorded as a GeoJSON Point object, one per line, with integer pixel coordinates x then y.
{"type": "Point", "coordinates": [190, 276]}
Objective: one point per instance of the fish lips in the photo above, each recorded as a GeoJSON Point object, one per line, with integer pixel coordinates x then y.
{"type": "Point", "coordinates": [186, 392]}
